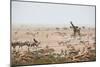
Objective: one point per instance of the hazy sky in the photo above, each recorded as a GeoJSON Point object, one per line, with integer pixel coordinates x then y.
{"type": "Point", "coordinates": [52, 14]}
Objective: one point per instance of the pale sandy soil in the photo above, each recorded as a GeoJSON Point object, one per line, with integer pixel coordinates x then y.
{"type": "Point", "coordinates": [56, 39]}
{"type": "Point", "coordinates": [66, 47]}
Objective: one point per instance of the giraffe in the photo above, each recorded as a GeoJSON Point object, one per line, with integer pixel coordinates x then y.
{"type": "Point", "coordinates": [76, 29]}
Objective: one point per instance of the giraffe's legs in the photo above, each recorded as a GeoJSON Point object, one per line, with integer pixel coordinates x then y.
{"type": "Point", "coordinates": [74, 32]}
{"type": "Point", "coordinates": [79, 32]}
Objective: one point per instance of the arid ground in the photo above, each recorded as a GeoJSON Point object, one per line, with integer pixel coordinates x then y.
{"type": "Point", "coordinates": [53, 45]}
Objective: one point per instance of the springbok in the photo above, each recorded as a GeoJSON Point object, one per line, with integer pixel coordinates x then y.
{"type": "Point", "coordinates": [35, 43]}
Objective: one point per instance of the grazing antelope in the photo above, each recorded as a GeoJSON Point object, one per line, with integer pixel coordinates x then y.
{"type": "Point", "coordinates": [14, 44]}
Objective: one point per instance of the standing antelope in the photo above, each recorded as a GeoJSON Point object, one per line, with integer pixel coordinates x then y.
{"type": "Point", "coordinates": [35, 43]}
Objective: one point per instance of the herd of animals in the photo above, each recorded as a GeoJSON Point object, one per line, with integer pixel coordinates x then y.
{"type": "Point", "coordinates": [20, 44]}
{"type": "Point", "coordinates": [76, 30]}
{"type": "Point", "coordinates": [36, 43]}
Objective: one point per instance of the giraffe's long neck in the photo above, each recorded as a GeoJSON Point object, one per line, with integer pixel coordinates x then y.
{"type": "Point", "coordinates": [72, 25]}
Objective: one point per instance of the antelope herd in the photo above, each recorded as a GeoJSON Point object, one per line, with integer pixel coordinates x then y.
{"type": "Point", "coordinates": [35, 43]}
{"type": "Point", "coordinates": [63, 41]}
